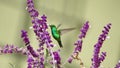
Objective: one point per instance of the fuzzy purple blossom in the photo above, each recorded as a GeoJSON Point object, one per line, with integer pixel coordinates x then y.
{"type": "Point", "coordinates": [57, 58]}
{"type": "Point", "coordinates": [8, 49]}
{"type": "Point", "coordinates": [39, 24]}
{"type": "Point", "coordinates": [118, 65]}
{"type": "Point", "coordinates": [34, 62]}
{"type": "Point", "coordinates": [25, 37]}
{"type": "Point", "coordinates": [84, 30]}
{"type": "Point", "coordinates": [40, 29]}
{"type": "Point", "coordinates": [78, 43]}
{"type": "Point", "coordinates": [70, 59]}
{"type": "Point", "coordinates": [30, 60]}
{"type": "Point", "coordinates": [102, 56]}
{"type": "Point", "coordinates": [27, 43]}
{"type": "Point", "coordinates": [32, 51]}
{"type": "Point", "coordinates": [30, 7]}
{"type": "Point", "coordinates": [97, 59]}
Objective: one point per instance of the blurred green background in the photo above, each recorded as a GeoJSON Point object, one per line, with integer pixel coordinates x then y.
{"type": "Point", "coordinates": [69, 13]}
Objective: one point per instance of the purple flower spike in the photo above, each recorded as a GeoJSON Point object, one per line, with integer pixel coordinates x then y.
{"type": "Point", "coordinates": [34, 54]}
{"type": "Point", "coordinates": [8, 49]}
{"type": "Point", "coordinates": [30, 7]}
{"type": "Point", "coordinates": [27, 43]}
{"type": "Point", "coordinates": [57, 59]}
{"type": "Point", "coordinates": [30, 61]}
{"type": "Point", "coordinates": [96, 60]}
{"type": "Point", "coordinates": [25, 37]}
{"type": "Point", "coordinates": [102, 56]}
{"type": "Point", "coordinates": [118, 65]}
{"type": "Point", "coordinates": [40, 29]}
{"type": "Point", "coordinates": [70, 59]}
{"type": "Point", "coordinates": [39, 25]}
{"type": "Point", "coordinates": [84, 30]}
{"type": "Point", "coordinates": [78, 43]}
{"type": "Point", "coordinates": [42, 62]}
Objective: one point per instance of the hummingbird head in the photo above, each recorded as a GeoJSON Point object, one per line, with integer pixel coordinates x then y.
{"type": "Point", "coordinates": [51, 26]}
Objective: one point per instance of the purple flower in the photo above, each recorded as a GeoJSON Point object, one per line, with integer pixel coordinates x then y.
{"type": "Point", "coordinates": [30, 7]}
{"type": "Point", "coordinates": [84, 30]}
{"type": "Point", "coordinates": [96, 60]}
{"type": "Point", "coordinates": [40, 29]}
{"type": "Point", "coordinates": [102, 56]}
{"type": "Point", "coordinates": [30, 60]}
{"type": "Point", "coordinates": [39, 25]}
{"type": "Point", "coordinates": [57, 59]}
{"type": "Point", "coordinates": [27, 43]}
{"type": "Point", "coordinates": [25, 37]}
{"type": "Point", "coordinates": [12, 49]}
{"type": "Point", "coordinates": [34, 54]}
{"type": "Point", "coordinates": [70, 59]}
{"type": "Point", "coordinates": [41, 62]}
{"type": "Point", "coordinates": [78, 43]}
{"type": "Point", "coordinates": [118, 65]}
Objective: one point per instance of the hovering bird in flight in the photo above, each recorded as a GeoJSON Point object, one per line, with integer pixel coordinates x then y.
{"type": "Point", "coordinates": [56, 33]}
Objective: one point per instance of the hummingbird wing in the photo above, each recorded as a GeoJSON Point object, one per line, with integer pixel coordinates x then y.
{"type": "Point", "coordinates": [63, 31]}
{"type": "Point", "coordinates": [59, 26]}
{"type": "Point", "coordinates": [13, 66]}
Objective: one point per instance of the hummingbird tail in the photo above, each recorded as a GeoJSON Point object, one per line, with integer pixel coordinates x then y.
{"type": "Point", "coordinates": [60, 44]}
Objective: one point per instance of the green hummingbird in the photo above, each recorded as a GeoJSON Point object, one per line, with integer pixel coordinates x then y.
{"type": "Point", "coordinates": [56, 33]}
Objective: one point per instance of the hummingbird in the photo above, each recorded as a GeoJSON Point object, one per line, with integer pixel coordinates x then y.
{"type": "Point", "coordinates": [56, 33]}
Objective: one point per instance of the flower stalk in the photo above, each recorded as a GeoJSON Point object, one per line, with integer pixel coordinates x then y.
{"type": "Point", "coordinates": [96, 60]}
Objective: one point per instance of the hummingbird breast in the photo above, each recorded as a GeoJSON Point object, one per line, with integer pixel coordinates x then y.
{"type": "Point", "coordinates": [55, 33]}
